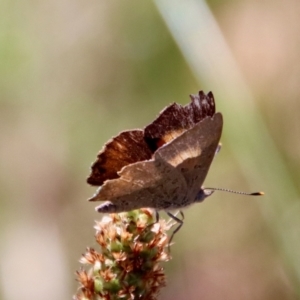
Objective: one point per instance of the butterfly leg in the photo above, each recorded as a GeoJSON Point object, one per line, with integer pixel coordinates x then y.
{"type": "Point", "coordinates": [149, 225]}
{"type": "Point", "coordinates": [156, 220]}
{"type": "Point", "coordinates": [180, 223]}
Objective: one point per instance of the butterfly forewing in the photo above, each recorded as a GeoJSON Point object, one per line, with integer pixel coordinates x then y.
{"type": "Point", "coordinates": [192, 153]}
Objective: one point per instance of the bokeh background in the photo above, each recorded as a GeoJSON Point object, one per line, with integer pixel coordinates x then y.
{"type": "Point", "coordinates": [74, 73]}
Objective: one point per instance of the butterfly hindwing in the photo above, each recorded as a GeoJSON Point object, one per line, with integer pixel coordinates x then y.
{"type": "Point", "coordinates": [152, 183]}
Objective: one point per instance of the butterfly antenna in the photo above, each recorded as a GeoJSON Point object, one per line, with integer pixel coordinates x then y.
{"type": "Point", "coordinates": [236, 192]}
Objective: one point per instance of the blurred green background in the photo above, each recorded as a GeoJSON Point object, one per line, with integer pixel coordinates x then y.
{"type": "Point", "coordinates": [74, 73]}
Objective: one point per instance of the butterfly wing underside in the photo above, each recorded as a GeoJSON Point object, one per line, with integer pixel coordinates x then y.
{"type": "Point", "coordinates": [172, 179]}
{"type": "Point", "coordinates": [192, 153]}
{"type": "Point", "coordinates": [153, 183]}
{"type": "Point", "coordinates": [126, 148]}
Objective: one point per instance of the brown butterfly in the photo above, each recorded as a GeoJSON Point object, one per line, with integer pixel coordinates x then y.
{"type": "Point", "coordinates": [162, 166]}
